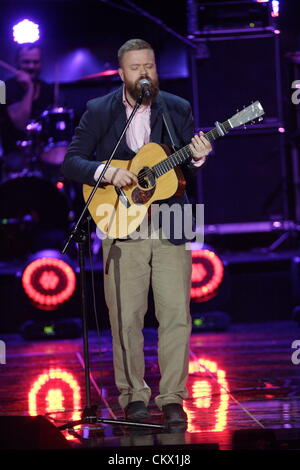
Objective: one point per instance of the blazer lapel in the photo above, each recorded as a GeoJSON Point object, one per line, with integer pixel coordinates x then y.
{"type": "Point", "coordinates": [119, 117]}
{"type": "Point", "coordinates": [156, 120]}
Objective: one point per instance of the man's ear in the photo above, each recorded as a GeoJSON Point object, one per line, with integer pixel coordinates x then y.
{"type": "Point", "coordinates": [121, 73]}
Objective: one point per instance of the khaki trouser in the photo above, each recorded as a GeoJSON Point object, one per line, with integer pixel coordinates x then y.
{"type": "Point", "coordinates": [129, 267]}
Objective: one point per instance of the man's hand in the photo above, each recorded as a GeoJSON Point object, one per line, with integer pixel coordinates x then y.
{"type": "Point", "coordinates": [24, 79]}
{"type": "Point", "coordinates": [119, 177]}
{"type": "Point", "coordinates": [200, 147]}
{"type": "Point", "coordinates": [20, 111]}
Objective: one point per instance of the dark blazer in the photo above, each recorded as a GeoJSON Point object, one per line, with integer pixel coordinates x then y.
{"type": "Point", "coordinates": [102, 124]}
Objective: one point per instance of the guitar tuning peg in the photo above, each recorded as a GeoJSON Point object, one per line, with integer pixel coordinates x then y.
{"type": "Point", "coordinates": [245, 127]}
{"type": "Point", "coordinates": [237, 110]}
{"type": "Point", "coordinates": [244, 106]}
{"type": "Point", "coordinates": [260, 119]}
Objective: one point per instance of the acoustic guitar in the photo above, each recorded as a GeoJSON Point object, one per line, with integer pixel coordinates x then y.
{"type": "Point", "coordinates": [118, 212]}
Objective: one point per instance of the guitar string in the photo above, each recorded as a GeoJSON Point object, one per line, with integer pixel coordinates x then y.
{"type": "Point", "coordinates": [167, 160]}
{"type": "Point", "coordinates": [210, 135]}
{"type": "Point", "coordinates": [148, 171]}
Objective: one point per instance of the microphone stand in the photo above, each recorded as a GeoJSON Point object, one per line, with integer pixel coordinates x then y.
{"type": "Point", "coordinates": [79, 235]}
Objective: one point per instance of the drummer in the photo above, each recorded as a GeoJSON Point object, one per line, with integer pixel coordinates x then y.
{"type": "Point", "coordinates": [27, 96]}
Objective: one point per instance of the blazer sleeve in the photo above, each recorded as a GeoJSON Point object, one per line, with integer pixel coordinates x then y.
{"type": "Point", "coordinates": [79, 164]}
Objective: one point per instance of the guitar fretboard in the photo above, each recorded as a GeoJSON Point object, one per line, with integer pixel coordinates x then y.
{"type": "Point", "coordinates": [185, 152]}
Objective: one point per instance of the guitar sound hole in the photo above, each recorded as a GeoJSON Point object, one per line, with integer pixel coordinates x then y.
{"type": "Point", "coordinates": [146, 178]}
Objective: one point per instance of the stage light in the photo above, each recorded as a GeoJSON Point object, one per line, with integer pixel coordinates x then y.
{"type": "Point", "coordinates": [275, 9]}
{"type": "Point", "coordinates": [207, 275]}
{"type": "Point", "coordinates": [60, 185]}
{"type": "Point", "coordinates": [275, 6]}
{"type": "Point", "coordinates": [26, 32]}
{"type": "Point", "coordinates": [209, 390]}
{"type": "Point", "coordinates": [108, 73]}
{"type": "Point", "coordinates": [54, 391]}
{"type": "Point", "coordinates": [48, 280]}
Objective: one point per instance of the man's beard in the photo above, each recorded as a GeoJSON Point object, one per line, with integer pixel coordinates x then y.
{"type": "Point", "coordinates": [134, 90]}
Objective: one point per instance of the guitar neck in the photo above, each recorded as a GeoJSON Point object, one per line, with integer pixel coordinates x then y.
{"type": "Point", "coordinates": [185, 153]}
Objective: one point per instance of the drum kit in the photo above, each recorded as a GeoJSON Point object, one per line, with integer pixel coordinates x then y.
{"type": "Point", "coordinates": [43, 149]}
{"type": "Point", "coordinates": [35, 201]}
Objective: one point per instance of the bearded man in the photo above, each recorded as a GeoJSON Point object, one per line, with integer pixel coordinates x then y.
{"type": "Point", "coordinates": [131, 265]}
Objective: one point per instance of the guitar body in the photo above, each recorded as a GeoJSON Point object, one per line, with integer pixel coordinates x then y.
{"type": "Point", "coordinates": [118, 219]}
{"type": "Point", "coordinates": [118, 214]}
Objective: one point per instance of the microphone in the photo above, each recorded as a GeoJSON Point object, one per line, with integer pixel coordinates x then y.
{"type": "Point", "coordinates": [145, 87]}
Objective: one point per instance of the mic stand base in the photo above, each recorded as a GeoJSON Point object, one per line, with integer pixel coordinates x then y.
{"type": "Point", "coordinates": [95, 420]}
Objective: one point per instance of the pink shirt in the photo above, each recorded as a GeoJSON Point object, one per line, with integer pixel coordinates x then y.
{"type": "Point", "coordinates": [138, 132]}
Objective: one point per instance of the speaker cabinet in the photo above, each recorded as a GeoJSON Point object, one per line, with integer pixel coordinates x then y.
{"type": "Point", "coordinates": [242, 181]}
{"type": "Point", "coordinates": [238, 71]}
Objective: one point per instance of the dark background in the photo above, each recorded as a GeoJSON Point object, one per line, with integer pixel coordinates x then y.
{"type": "Point", "coordinates": [83, 38]}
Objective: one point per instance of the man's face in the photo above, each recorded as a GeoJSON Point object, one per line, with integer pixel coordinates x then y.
{"type": "Point", "coordinates": [30, 62]}
{"type": "Point", "coordinates": [135, 66]}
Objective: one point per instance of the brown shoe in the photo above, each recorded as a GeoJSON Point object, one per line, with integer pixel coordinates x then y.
{"type": "Point", "coordinates": [136, 410]}
{"type": "Point", "coordinates": [173, 413]}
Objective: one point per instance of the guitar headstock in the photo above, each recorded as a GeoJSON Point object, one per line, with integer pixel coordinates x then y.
{"type": "Point", "coordinates": [252, 112]}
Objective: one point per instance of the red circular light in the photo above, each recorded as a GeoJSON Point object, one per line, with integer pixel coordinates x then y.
{"type": "Point", "coordinates": [60, 185]}
{"type": "Point", "coordinates": [49, 282]}
{"type": "Point", "coordinates": [207, 275]}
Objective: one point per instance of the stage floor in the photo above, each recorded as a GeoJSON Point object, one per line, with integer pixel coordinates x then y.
{"type": "Point", "coordinates": [242, 379]}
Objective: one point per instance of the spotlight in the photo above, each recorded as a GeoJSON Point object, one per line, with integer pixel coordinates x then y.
{"type": "Point", "coordinates": [275, 8]}
{"type": "Point", "coordinates": [207, 275]}
{"type": "Point", "coordinates": [26, 32]}
{"type": "Point", "coordinates": [48, 280]}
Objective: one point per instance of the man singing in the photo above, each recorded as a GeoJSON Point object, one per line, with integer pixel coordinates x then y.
{"type": "Point", "coordinates": [132, 264]}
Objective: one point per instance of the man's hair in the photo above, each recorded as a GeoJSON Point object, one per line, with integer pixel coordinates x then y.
{"type": "Point", "coordinates": [132, 45]}
{"type": "Point", "coordinates": [26, 46]}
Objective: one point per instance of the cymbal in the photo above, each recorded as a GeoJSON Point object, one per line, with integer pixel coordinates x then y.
{"type": "Point", "coordinates": [105, 73]}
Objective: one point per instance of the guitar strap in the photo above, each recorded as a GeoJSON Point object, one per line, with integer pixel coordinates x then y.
{"type": "Point", "coordinates": [169, 126]}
